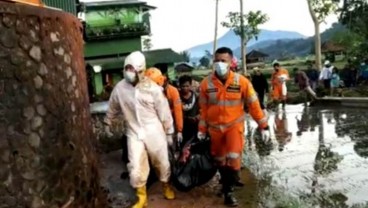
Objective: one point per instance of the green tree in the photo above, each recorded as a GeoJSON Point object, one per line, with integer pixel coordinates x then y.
{"type": "Point", "coordinates": [319, 10]}
{"type": "Point", "coordinates": [249, 30]}
{"type": "Point", "coordinates": [204, 61]}
{"type": "Point", "coordinates": [186, 56]}
{"type": "Point", "coordinates": [147, 43]}
{"type": "Point", "coordinates": [350, 40]}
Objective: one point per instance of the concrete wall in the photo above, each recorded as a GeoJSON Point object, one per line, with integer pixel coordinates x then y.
{"type": "Point", "coordinates": [47, 158]}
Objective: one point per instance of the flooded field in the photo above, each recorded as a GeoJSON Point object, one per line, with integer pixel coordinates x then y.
{"type": "Point", "coordinates": [316, 158]}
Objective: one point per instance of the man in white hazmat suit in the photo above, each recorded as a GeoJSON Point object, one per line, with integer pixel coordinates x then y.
{"type": "Point", "coordinates": [149, 125]}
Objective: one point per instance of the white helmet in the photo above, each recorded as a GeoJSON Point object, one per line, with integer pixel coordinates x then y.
{"type": "Point", "coordinates": [136, 60]}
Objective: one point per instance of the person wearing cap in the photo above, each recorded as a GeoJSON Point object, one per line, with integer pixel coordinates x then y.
{"type": "Point", "coordinates": [326, 73]}
{"type": "Point", "coordinates": [278, 80]}
{"type": "Point", "coordinates": [149, 126]}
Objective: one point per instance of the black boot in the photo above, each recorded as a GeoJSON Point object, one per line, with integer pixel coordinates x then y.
{"type": "Point", "coordinates": [283, 104]}
{"type": "Point", "coordinates": [229, 178]}
{"type": "Point", "coordinates": [230, 200]}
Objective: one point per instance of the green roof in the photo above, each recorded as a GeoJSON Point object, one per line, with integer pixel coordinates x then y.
{"type": "Point", "coordinates": [163, 56]}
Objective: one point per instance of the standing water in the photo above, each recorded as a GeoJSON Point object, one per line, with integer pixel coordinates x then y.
{"type": "Point", "coordinates": [316, 158]}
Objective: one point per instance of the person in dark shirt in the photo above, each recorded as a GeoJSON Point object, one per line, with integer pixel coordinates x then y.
{"type": "Point", "coordinates": [260, 85]}
{"type": "Point", "coordinates": [313, 75]}
{"type": "Point", "coordinates": [190, 107]}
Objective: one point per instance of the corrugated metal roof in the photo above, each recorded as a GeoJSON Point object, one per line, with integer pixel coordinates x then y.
{"type": "Point", "coordinates": [66, 5]}
{"type": "Point", "coordinates": [117, 2]}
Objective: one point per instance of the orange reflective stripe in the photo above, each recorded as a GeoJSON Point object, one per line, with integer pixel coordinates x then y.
{"type": "Point", "coordinates": [224, 126]}
{"type": "Point", "coordinates": [211, 95]}
{"type": "Point", "coordinates": [252, 99]}
{"type": "Point", "coordinates": [262, 121]}
{"type": "Point", "coordinates": [228, 103]}
{"type": "Point", "coordinates": [203, 123]}
{"type": "Point", "coordinates": [232, 155]}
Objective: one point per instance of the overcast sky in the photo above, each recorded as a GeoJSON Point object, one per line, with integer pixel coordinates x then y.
{"type": "Point", "coordinates": [181, 24]}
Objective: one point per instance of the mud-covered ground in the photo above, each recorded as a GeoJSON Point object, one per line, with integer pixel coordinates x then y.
{"type": "Point", "coordinates": [316, 158]}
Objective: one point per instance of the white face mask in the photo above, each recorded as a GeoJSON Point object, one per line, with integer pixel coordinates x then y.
{"type": "Point", "coordinates": [130, 76]}
{"type": "Point", "coordinates": [221, 68]}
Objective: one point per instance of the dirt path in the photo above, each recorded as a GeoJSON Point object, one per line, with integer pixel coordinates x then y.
{"type": "Point", "coordinates": [121, 194]}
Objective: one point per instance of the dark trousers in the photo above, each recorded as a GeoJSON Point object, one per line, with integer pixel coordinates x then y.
{"type": "Point", "coordinates": [261, 95]}
{"type": "Point", "coordinates": [228, 179]}
{"type": "Point", "coordinates": [327, 83]}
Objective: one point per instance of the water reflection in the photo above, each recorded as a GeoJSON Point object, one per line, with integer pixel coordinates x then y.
{"type": "Point", "coordinates": [317, 155]}
{"type": "Point", "coordinates": [282, 134]}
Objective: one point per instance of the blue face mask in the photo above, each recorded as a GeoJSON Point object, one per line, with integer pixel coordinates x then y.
{"type": "Point", "coordinates": [221, 68]}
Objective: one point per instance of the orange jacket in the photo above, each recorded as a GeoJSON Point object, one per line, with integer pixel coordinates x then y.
{"type": "Point", "coordinates": [275, 79]}
{"type": "Point", "coordinates": [222, 105]}
{"type": "Point", "coordinates": [176, 108]}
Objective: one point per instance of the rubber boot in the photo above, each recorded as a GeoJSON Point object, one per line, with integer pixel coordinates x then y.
{"type": "Point", "coordinates": [142, 198]}
{"type": "Point", "coordinates": [229, 178]}
{"type": "Point", "coordinates": [168, 191]}
{"type": "Point", "coordinates": [230, 200]}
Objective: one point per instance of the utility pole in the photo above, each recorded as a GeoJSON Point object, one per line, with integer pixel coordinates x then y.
{"type": "Point", "coordinates": [216, 27]}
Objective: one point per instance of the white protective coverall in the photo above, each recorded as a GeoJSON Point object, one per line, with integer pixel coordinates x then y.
{"type": "Point", "coordinates": [148, 120]}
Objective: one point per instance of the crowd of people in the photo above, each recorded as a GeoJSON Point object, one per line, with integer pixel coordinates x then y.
{"type": "Point", "coordinates": [159, 117]}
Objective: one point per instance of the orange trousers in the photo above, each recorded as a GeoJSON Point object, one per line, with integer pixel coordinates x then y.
{"type": "Point", "coordinates": [277, 93]}
{"type": "Point", "coordinates": [227, 145]}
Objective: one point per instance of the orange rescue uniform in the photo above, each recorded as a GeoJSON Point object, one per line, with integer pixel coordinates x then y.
{"type": "Point", "coordinates": [222, 116]}
{"type": "Point", "coordinates": [277, 93]}
{"type": "Point", "coordinates": [176, 108]}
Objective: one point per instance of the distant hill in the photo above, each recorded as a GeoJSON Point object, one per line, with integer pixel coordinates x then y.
{"type": "Point", "coordinates": [284, 48]}
{"type": "Point", "coordinates": [231, 40]}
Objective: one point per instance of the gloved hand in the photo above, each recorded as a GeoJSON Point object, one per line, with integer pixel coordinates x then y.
{"type": "Point", "coordinates": [201, 136]}
{"type": "Point", "coordinates": [170, 141]}
{"type": "Point", "coordinates": [265, 134]}
{"type": "Point", "coordinates": [179, 137]}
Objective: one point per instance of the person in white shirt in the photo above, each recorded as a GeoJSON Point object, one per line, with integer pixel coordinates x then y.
{"type": "Point", "coordinates": [326, 73]}
{"type": "Point", "coordinates": [149, 126]}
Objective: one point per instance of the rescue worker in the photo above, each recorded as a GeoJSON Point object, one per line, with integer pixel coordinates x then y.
{"type": "Point", "coordinates": [149, 126]}
{"type": "Point", "coordinates": [222, 116]}
{"type": "Point", "coordinates": [278, 82]}
{"type": "Point", "coordinates": [172, 95]}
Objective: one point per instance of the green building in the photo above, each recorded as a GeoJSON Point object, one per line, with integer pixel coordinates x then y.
{"type": "Point", "coordinates": [112, 30]}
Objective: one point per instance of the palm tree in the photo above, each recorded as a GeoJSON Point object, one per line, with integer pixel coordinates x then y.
{"type": "Point", "coordinates": [216, 26]}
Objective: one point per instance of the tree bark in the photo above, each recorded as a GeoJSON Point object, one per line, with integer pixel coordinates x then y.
{"type": "Point", "coordinates": [243, 39]}
{"type": "Point", "coordinates": [317, 43]}
{"type": "Point", "coordinates": [216, 27]}
{"type": "Point", "coordinates": [317, 35]}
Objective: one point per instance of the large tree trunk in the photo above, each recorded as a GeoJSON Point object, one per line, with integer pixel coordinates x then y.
{"type": "Point", "coordinates": [243, 39]}
{"type": "Point", "coordinates": [47, 156]}
{"type": "Point", "coordinates": [317, 44]}
{"type": "Point", "coordinates": [317, 35]}
{"type": "Point", "coordinates": [216, 27]}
